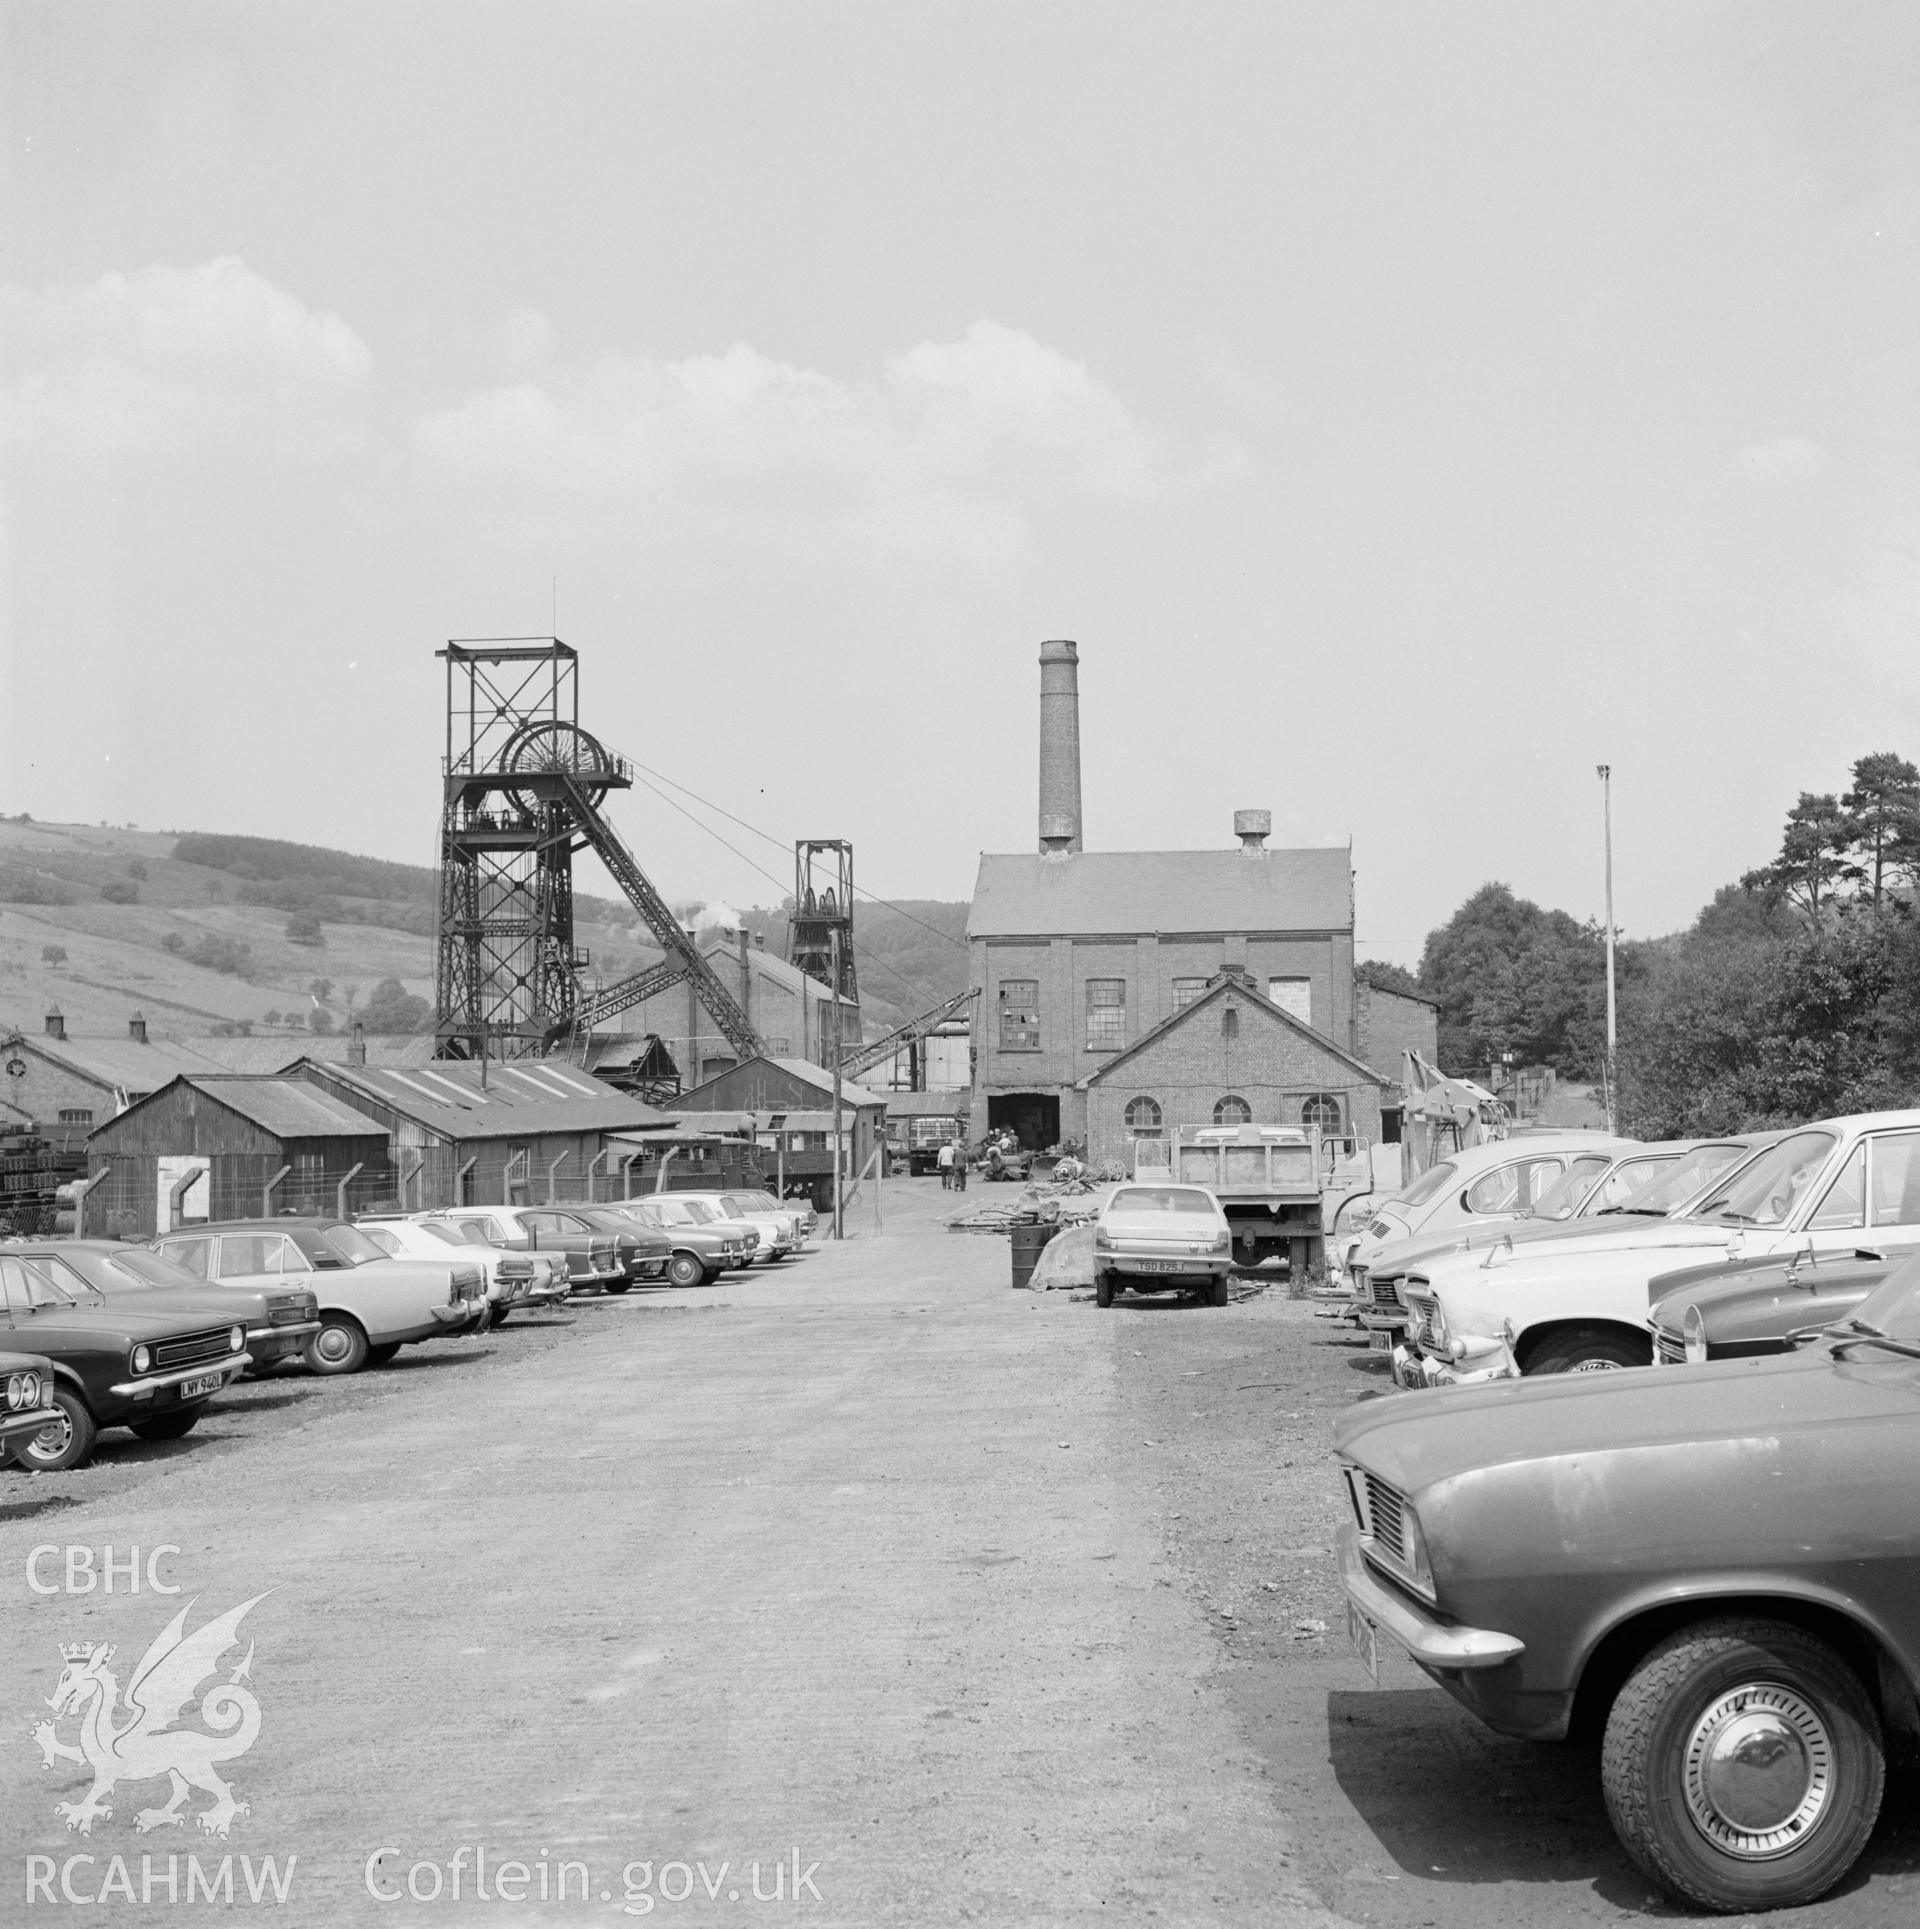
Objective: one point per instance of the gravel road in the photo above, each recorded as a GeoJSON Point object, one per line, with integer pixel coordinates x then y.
{"type": "Point", "coordinates": [862, 1578]}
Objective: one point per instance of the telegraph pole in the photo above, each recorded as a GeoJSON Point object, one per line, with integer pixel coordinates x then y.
{"type": "Point", "coordinates": [838, 1230]}
{"type": "Point", "coordinates": [1606, 794]}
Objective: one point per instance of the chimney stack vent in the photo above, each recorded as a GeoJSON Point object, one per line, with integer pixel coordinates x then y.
{"type": "Point", "coordinates": [357, 1044]}
{"type": "Point", "coordinates": [137, 1027]}
{"type": "Point", "coordinates": [56, 1024]}
{"type": "Point", "coordinates": [1059, 748]}
{"type": "Point", "coordinates": [1253, 827]}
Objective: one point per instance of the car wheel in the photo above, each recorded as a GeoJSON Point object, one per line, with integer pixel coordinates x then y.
{"type": "Point", "coordinates": [1588, 1353]}
{"type": "Point", "coordinates": [339, 1347]}
{"type": "Point", "coordinates": [500, 1314]}
{"type": "Point", "coordinates": [62, 1443]}
{"type": "Point", "coordinates": [1222, 1291]}
{"type": "Point", "coordinates": [683, 1269]}
{"type": "Point", "coordinates": [1103, 1289]}
{"type": "Point", "coordinates": [1743, 1765]}
{"type": "Point", "coordinates": [169, 1426]}
{"type": "Point", "coordinates": [618, 1285]}
{"type": "Point", "coordinates": [381, 1354]}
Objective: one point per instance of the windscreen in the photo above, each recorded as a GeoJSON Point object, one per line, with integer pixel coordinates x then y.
{"type": "Point", "coordinates": [467, 1234]}
{"type": "Point", "coordinates": [1766, 1192]}
{"type": "Point", "coordinates": [148, 1268]}
{"type": "Point", "coordinates": [1430, 1184]}
{"type": "Point", "coordinates": [352, 1244]}
{"type": "Point", "coordinates": [1187, 1199]}
{"type": "Point", "coordinates": [1690, 1175]}
{"type": "Point", "coordinates": [1622, 1188]}
{"type": "Point", "coordinates": [1563, 1198]}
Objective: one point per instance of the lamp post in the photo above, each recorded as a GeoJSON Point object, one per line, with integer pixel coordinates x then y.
{"type": "Point", "coordinates": [1606, 808]}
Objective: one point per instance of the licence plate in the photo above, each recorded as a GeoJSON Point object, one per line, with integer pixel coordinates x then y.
{"type": "Point", "coordinates": [1364, 1638]}
{"type": "Point", "coordinates": [1155, 1265]}
{"type": "Point", "coordinates": [207, 1383]}
{"type": "Point", "coordinates": [1381, 1340]}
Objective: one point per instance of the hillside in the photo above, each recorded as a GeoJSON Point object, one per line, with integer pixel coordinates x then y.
{"type": "Point", "coordinates": [191, 928]}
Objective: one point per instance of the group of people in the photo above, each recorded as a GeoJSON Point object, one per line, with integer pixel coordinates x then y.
{"type": "Point", "coordinates": [952, 1161]}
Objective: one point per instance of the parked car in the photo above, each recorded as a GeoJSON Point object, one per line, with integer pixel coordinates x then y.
{"type": "Point", "coordinates": [592, 1256]}
{"type": "Point", "coordinates": [1581, 1304]}
{"type": "Point", "coordinates": [513, 1279]}
{"type": "Point", "coordinates": [145, 1363]}
{"type": "Point", "coordinates": [1635, 1182]}
{"type": "Point", "coordinates": [1484, 1183]}
{"type": "Point", "coordinates": [704, 1245]}
{"type": "Point", "coordinates": [279, 1319]}
{"type": "Point", "coordinates": [1759, 1306]}
{"type": "Point", "coordinates": [773, 1229]}
{"type": "Point", "coordinates": [26, 1398]}
{"type": "Point", "coordinates": [1161, 1238]}
{"type": "Point", "coordinates": [802, 1216]}
{"type": "Point", "coordinates": [1712, 1565]}
{"type": "Point", "coordinates": [644, 1251]}
{"type": "Point", "coordinates": [370, 1305]}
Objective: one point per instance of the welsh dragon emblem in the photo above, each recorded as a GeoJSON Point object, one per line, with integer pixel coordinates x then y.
{"type": "Point", "coordinates": [140, 1743]}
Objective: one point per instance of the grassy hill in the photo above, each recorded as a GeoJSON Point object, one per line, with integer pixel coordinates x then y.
{"type": "Point", "coordinates": [191, 928]}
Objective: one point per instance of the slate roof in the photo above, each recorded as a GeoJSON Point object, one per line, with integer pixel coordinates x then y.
{"type": "Point", "coordinates": [275, 1051]}
{"type": "Point", "coordinates": [122, 1063]}
{"type": "Point", "coordinates": [522, 1097]}
{"type": "Point", "coordinates": [289, 1108]}
{"type": "Point", "coordinates": [851, 1092]}
{"type": "Point", "coordinates": [1223, 986]}
{"type": "Point", "coordinates": [1127, 892]}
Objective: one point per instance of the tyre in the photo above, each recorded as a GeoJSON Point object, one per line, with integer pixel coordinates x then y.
{"type": "Point", "coordinates": [685, 1269]}
{"type": "Point", "coordinates": [340, 1346]}
{"type": "Point", "coordinates": [170, 1426]}
{"type": "Point", "coordinates": [1103, 1289]}
{"type": "Point", "coordinates": [1221, 1292]}
{"type": "Point", "coordinates": [618, 1286]}
{"type": "Point", "coordinates": [61, 1444]}
{"type": "Point", "coordinates": [1588, 1352]}
{"type": "Point", "coordinates": [380, 1355]}
{"type": "Point", "coordinates": [500, 1314]}
{"type": "Point", "coordinates": [1743, 1765]}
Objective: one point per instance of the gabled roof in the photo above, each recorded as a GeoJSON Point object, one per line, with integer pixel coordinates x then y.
{"type": "Point", "coordinates": [1229, 985]}
{"type": "Point", "coordinates": [289, 1108]}
{"type": "Point", "coordinates": [275, 1051]}
{"type": "Point", "coordinates": [519, 1099]}
{"type": "Point", "coordinates": [853, 1096]}
{"type": "Point", "coordinates": [124, 1064]}
{"type": "Point", "coordinates": [1124, 892]}
{"type": "Point", "coordinates": [821, 1080]}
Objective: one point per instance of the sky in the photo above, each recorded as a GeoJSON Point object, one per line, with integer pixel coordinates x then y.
{"type": "Point", "coordinates": [1405, 407]}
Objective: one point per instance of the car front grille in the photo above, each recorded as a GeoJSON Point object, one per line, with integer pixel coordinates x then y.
{"type": "Point", "coordinates": [190, 1349]}
{"type": "Point", "coordinates": [1386, 1292]}
{"type": "Point", "coordinates": [1668, 1348]}
{"type": "Point", "coordinates": [1386, 1516]}
{"type": "Point", "coordinates": [1422, 1311]}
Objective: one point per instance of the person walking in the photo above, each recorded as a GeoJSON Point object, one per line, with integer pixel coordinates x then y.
{"type": "Point", "coordinates": [959, 1165]}
{"type": "Point", "coordinates": [945, 1163]}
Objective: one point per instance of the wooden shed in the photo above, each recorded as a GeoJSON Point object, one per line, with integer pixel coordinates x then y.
{"type": "Point", "coordinates": [784, 1086]}
{"type": "Point", "coordinates": [227, 1146]}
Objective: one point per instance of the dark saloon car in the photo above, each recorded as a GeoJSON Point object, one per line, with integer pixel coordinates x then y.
{"type": "Point", "coordinates": [1716, 1566]}
{"type": "Point", "coordinates": [702, 1244]}
{"type": "Point", "coordinates": [149, 1361]}
{"type": "Point", "coordinates": [279, 1321]}
{"type": "Point", "coordinates": [1751, 1307]}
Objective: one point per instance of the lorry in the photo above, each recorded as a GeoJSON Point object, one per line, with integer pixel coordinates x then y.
{"type": "Point", "coordinates": [1269, 1179]}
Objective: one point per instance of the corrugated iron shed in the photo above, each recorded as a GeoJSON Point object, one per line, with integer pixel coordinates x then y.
{"type": "Point", "coordinates": [520, 1098]}
{"type": "Point", "coordinates": [289, 1108]}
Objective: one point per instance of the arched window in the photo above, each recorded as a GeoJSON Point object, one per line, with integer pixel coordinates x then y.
{"type": "Point", "coordinates": [1321, 1109]}
{"type": "Point", "coordinates": [1233, 1110]}
{"type": "Point", "coordinates": [1143, 1118]}
{"type": "Point", "coordinates": [1230, 1022]}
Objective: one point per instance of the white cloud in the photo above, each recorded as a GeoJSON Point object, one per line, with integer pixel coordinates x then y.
{"type": "Point", "coordinates": [1786, 462]}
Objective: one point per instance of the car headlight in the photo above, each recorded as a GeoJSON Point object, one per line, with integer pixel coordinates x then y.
{"type": "Point", "coordinates": [1414, 1547]}
{"type": "Point", "coordinates": [23, 1391]}
{"type": "Point", "coordinates": [1442, 1332]}
{"type": "Point", "coordinates": [142, 1358]}
{"type": "Point", "coordinates": [1693, 1332]}
{"type": "Point", "coordinates": [236, 1338]}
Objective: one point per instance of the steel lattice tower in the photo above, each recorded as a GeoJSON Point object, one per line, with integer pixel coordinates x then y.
{"type": "Point", "coordinates": [822, 905]}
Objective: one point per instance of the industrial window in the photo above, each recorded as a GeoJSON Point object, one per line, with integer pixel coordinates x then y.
{"type": "Point", "coordinates": [1233, 1110]}
{"type": "Point", "coordinates": [1020, 1015]}
{"type": "Point", "coordinates": [1143, 1118]}
{"type": "Point", "coordinates": [1186, 991]}
{"type": "Point", "coordinates": [1293, 995]}
{"type": "Point", "coordinates": [75, 1115]}
{"type": "Point", "coordinates": [1106, 1014]}
{"type": "Point", "coordinates": [1230, 1021]}
{"type": "Point", "coordinates": [1321, 1110]}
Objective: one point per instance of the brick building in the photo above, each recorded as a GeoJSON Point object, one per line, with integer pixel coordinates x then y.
{"type": "Point", "coordinates": [1230, 1056]}
{"type": "Point", "coordinates": [73, 1084]}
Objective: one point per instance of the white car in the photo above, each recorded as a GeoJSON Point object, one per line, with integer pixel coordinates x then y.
{"type": "Point", "coordinates": [776, 1229]}
{"type": "Point", "coordinates": [1483, 1184]}
{"type": "Point", "coordinates": [1581, 1304]}
{"type": "Point", "coordinates": [513, 1278]}
{"type": "Point", "coordinates": [1161, 1238]}
{"type": "Point", "coordinates": [1630, 1185]}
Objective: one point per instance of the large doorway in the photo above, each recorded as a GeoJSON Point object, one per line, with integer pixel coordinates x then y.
{"type": "Point", "coordinates": [1032, 1117]}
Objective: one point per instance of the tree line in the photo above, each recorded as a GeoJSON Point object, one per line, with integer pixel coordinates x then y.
{"type": "Point", "coordinates": [1794, 994]}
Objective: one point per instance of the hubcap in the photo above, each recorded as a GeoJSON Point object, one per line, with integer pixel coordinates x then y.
{"type": "Point", "coordinates": [52, 1439]}
{"type": "Point", "coordinates": [1595, 1366]}
{"type": "Point", "coordinates": [1759, 1771]}
{"type": "Point", "coordinates": [332, 1344]}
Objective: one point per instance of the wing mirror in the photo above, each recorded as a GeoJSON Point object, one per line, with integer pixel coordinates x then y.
{"type": "Point", "coordinates": [1803, 1255]}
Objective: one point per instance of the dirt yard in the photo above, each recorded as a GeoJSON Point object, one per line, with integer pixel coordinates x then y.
{"type": "Point", "coordinates": [859, 1590]}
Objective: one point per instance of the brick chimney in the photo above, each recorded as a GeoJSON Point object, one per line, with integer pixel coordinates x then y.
{"type": "Point", "coordinates": [1059, 748]}
{"type": "Point", "coordinates": [357, 1044]}
{"type": "Point", "coordinates": [137, 1027]}
{"type": "Point", "coordinates": [56, 1024]}
{"type": "Point", "coordinates": [1252, 828]}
